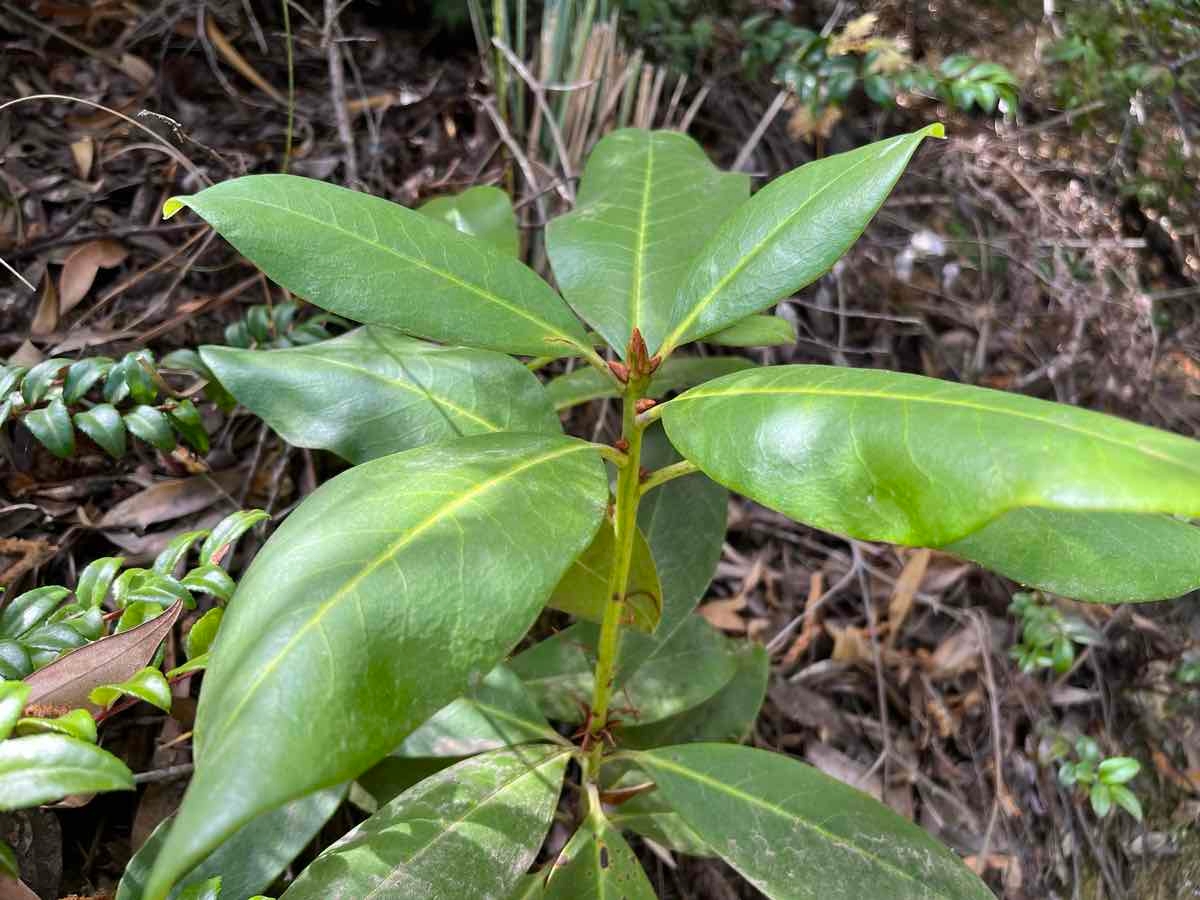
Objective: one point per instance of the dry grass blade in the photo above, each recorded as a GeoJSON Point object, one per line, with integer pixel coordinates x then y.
{"type": "Point", "coordinates": [68, 680]}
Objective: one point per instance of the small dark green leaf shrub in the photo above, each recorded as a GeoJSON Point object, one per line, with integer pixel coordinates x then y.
{"type": "Point", "coordinates": [1082, 766]}
{"type": "Point", "coordinates": [103, 398]}
{"type": "Point", "coordinates": [370, 640]}
{"type": "Point", "coordinates": [1048, 635]}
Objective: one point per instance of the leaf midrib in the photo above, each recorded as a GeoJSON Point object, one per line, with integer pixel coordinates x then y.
{"type": "Point", "coordinates": [387, 555]}
{"type": "Point", "coordinates": [782, 813]}
{"type": "Point", "coordinates": [639, 253]}
{"type": "Point", "coordinates": [453, 825]}
{"type": "Point", "coordinates": [677, 333]}
{"type": "Point", "coordinates": [858, 393]}
{"type": "Point", "coordinates": [420, 264]}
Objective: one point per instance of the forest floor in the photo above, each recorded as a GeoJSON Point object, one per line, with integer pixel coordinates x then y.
{"type": "Point", "coordinates": [1005, 258]}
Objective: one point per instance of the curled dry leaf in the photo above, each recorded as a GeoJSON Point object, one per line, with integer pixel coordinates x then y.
{"type": "Point", "coordinates": [111, 660]}
{"type": "Point", "coordinates": [80, 268]}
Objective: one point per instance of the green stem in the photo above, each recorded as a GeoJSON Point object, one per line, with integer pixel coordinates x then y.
{"type": "Point", "coordinates": [667, 473]}
{"type": "Point", "coordinates": [625, 526]}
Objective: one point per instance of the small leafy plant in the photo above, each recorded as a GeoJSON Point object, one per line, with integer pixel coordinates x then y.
{"type": "Point", "coordinates": [103, 398]}
{"type": "Point", "coordinates": [1103, 780]}
{"type": "Point", "coordinates": [1048, 636]}
{"type": "Point", "coordinates": [370, 640]}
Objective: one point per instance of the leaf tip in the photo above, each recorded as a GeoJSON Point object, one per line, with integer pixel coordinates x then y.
{"type": "Point", "coordinates": [172, 206]}
{"type": "Point", "coordinates": [936, 130]}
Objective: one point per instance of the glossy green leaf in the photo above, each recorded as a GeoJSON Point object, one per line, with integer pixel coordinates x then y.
{"type": "Point", "coordinates": [945, 465]}
{"type": "Point", "coordinates": [145, 586]}
{"type": "Point", "coordinates": [371, 592]}
{"type": "Point", "coordinates": [726, 716]}
{"type": "Point", "coordinates": [82, 376]}
{"type": "Point", "coordinates": [10, 378]}
{"type": "Point", "coordinates": [684, 523]}
{"type": "Point", "coordinates": [77, 723]}
{"type": "Point", "coordinates": [375, 391]}
{"type": "Point", "coordinates": [137, 368]}
{"type": "Point", "coordinates": [148, 684]}
{"type": "Point", "coordinates": [169, 558]}
{"type": "Point", "coordinates": [186, 420]}
{"type": "Point", "coordinates": [483, 211]}
{"type": "Point", "coordinates": [197, 664]}
{"type": "Point", "coordinates": [584, 590]}
{"type": "Point", "coordinates": [598, 864]}
{"type": "Point", "coordinates": [770, 817]}
{"type": "Point", "coordinates": [650, 816]}
{"type": "Point", "coordinates": [203, 890]}
{"type": "Point", "coordinates": [27, 610]}
{"type": "Point", "coordinates": [104, 425]}
{"type": "Point", "coordinates": [36, 385]}
{"type": "Point", "coordinates": [756, 331]}
{"type": "Point", "coordinates": [15, 662]}
{"type": "Point", "coordinates": [496, 713]}
{"type": "Point", "coordinates": [393, 775]}
{"type": "Point", "coordinates": [44, 768]}
{"type": "Point", "coordinates": [648, 201]}
{"type": "Point", "coordinates": [152, 426]}
{"type": "Point", "coordinates": [13, 696]}
{"type": "Point", "coordinates": [202, 633]}
{"type": "Point", "coordinates": [381, 264]}
{"type": "Point", "coordinates": [51, 425]}
{"type": "Point", "coordinates": [788, 235]}
{"type": "Point", "coordinates": [470, 831]}
{"type": "Point", "coordinates": [96, 579]}
{"type": "Point", "coordinates": [226, 533]}
{"type": "Point", "coordinates": [252, 858]}
{"type": "Point", "coordinates": [675, 374]}
{"type": "Point", "coordinates": [210, 579]}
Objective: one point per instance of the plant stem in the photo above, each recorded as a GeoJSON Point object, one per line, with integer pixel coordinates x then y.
{"type": "Point", "coordinates": [667, 473]}
{"type": "Point", "coordinates": [625, 526]}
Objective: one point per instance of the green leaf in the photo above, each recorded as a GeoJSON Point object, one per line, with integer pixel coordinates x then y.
{"type": "Point", "coordinates": [647, 203]}
{"type": "Point", "coordinates": [15, 662]}
{"type": "Point", "coordinates": [27, 610]}
{"type": "Point", "coordinates": [197, 664]}
{"type": "Point", "coordinates": [584, 590]}
{"type": "Point", "coordinates": [741, 800]}
{"type": "Point", "coordinates": [1118, 769]}
{"type": "Point", "coordinates": [1126, 799]}
{"type": "Point", "coordinates": [945, 465]}
{"type": "Point", "coordinates": [10, 378]}
{"type": "Point", "coordinates": [756, 331]}
{"type": "Point", "coordinates": [145, 586]}
{"type": "Point", "coordinates": [138, 370]}
{"type": "Point", "coordinates": [470, 831]}
{"type": "Point", "coordinates": [675, 374]}
{"type": "Point", "coordinates": [375, 391]}
{"type": "Point", "coordinates": [8, 862]}
{"type": "Point", "coordinates": [152, 426]}
{"type": "Point", "coordinates": [51, 425]}
{"type": "Point", "coordinates": [650, 816]}
{"type": "Point", "coordinates": [103, 424]}
{"type": "Point", "coordinates": [1102, 799]}
{"type": "Point", "coordinates": [203, 890]}
{"type": "Point", "coordinates": [35, 387]}
{"type": "Point", "coordinates": [210, 579]}
{"type": "Point", "coordinates": [728, 715]}
{"type": "Point", "coordinates": [148, 684]}
{"type": "Point", "coordinates": [496, 713]}
{"type": "Point", "coordinates": [202, 634]}
{"type": "Point", "coordinates": [44, 768]}
{"type": "Point", "coordinates": [597, 864]}
{"type": "Point", "coordinates": [252, 858]}
{"type": "Point", "coordinates": [78, 723]}
{"type": "Point", "coordinates": [226, 533]}
{"type": "Point", "coordinates": [381, 264]}
{"type": "Point", "coordinates": [370, 592]}
{"type": "Point", "coordinates": [176, 551]}
{"type": "Point", "coordinates": [82, 375]}
{"type": "Point", "coordinates": [787, 235]}
{"type": "Point", "coordinates": [186, 420]}
{"type": "Point", "coordinates": [13, 696]}
{"type": "Point", "coordinates": [483, 211]}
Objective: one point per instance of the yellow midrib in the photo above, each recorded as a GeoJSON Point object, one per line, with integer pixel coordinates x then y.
{"type": "Point", "coordinates": [389, 552]}
{"type": "Point", "coordinates": [636, 288]}
{"type": "Point", "coordinates": [699, 394]}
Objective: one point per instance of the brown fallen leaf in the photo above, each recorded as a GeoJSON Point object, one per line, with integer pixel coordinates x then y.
{"type": "Point", "coordinates": [850, 644]}
{"type": "Point", "coordinates": [961, 652]}
{"type": "Point", "coordinates": [723, 614]}
{"type": "Point", "coordinates": [80, 268]}
{"type": "Point", "coordinates": [69, 679]}
{"type": "Point", "coordinates": [45, 320]}
{"type": "Point", "coordinates": [83, 151]}
{"type": "Point", "coordinates": [11, 889]}
{"type": "Point", "coordinates": [171, 499]}
{"type": "Point", "coordinates": [902, 594]}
